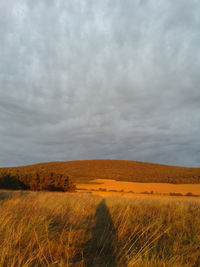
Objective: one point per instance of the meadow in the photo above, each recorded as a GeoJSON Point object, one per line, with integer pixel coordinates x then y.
{"type": "Point", "coordinates": [74, 229]}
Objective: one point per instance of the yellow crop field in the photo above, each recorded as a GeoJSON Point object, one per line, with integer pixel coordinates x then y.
{"type": "Point", "coordinates": [114, 186]}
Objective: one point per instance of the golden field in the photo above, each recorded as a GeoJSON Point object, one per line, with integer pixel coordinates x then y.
{"type": "Point", "coordinates": [74, 229]}
{"type": "Point", "coordinates": [113, 187]}
{"type": "Point", "coordinates": [124, 213]}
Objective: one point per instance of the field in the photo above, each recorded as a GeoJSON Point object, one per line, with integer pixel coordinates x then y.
{"type": "Point", "coordinates": [124, 213]}
{"type": "Point", "coordinates": [74, 229]}
{"type": "Point", "coordinates": [112, 187]}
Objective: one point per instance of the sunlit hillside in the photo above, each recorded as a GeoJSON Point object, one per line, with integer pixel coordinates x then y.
{"type": "Point", "coordinates": [85, 170]}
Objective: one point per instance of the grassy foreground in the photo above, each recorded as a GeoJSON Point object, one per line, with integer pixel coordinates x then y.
{"type": "Point", "coordinates": [63, 229]}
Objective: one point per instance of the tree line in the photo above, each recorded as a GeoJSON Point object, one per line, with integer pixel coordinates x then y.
{"type": "Point", "coordinates": [36, 181]}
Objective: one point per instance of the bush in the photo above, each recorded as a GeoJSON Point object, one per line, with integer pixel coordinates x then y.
{"type": "Point", "coordinates": [175, 194]}
{"type": "Point", "coordinates": [103, 189]}
{"type": "Point", "coordinates": [189, 194]}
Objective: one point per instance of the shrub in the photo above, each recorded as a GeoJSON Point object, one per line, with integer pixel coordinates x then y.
{"type": "Point", "coordinates": [102, 189]}
{"type": "Point", "coordinates": [175, 194]}
{"type": "Point", "coordinates": [189, 194]}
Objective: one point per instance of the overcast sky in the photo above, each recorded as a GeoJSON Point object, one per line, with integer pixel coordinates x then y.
{"type": "Point", "coordinates": [84, 79]}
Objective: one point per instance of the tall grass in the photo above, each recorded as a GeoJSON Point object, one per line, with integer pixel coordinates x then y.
{"type": "Point", "coordinates": [60, 229]}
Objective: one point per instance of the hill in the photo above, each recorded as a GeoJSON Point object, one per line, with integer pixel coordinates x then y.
{"type": "Point", "coordinates": [87, 170]}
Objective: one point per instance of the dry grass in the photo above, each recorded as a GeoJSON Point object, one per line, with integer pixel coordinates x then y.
{"type": "Point", "coordinates": [61, 229]}
{"type": "Point", "coordinates": [122, 170]}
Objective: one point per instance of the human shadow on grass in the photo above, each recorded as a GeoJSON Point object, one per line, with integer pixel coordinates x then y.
{"type": "Point", "coordinates": [99, 250]}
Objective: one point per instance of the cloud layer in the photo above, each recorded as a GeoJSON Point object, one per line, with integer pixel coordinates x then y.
{"type": "Point", "coordinates": [103, 79]}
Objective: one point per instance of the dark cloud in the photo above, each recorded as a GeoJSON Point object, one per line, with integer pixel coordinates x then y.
{"type": "Point", "coordinates": [107, 79]}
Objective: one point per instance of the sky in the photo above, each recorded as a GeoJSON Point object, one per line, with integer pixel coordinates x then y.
{"type": "Point", "coordinates": [84, 79]}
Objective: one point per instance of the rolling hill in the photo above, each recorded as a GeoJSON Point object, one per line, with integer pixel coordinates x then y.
{"type": "Point", "coordinates": [84, 171]}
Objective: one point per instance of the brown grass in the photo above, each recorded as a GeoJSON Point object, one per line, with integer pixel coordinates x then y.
{"type": "Point", "coordinates": [86, 170]}
{"type": "Point", "coordinates": [61, 229]}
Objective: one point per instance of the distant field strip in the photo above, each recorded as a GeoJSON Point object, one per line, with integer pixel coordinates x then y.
{"type": "Point", "coordinates": [156, 188]}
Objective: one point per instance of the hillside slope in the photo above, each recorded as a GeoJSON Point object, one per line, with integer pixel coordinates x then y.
{"type": "Point", "coordinates": [86, 170]}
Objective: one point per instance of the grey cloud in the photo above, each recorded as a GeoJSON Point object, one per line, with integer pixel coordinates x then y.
{"type": "Point", "coordinates": [82, 80]}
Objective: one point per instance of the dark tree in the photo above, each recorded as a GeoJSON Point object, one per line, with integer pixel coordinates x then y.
{"type": "Point", "coordinates": [8, 181]}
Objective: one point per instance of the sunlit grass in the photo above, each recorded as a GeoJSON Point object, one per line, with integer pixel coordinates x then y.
{"type": "Point", "coordinates": [61, 229]}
